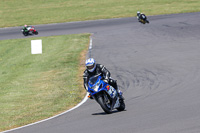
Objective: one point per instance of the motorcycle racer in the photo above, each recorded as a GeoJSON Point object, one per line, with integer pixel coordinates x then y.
{"type": "Point", "coordinates": [29, 30]}
{"type": "Point", "coordinates": [94, 69]}
{"type": "Point", "coordinates": [141, 17]}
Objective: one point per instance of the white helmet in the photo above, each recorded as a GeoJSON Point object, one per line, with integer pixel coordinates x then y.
{"type": "Point", "coordinates": [138, 12]}
{"type": "Point", "coordinates": [90, 64]}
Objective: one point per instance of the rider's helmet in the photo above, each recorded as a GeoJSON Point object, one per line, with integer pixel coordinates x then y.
{"type": "Point", "coordinates": [25, 25]}
{"type": "Point", "coordinates": [138, 13]}
{"type": "Point", "coordinates": [90, 64]}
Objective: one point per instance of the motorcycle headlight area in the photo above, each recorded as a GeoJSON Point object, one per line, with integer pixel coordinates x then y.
{"type": "Point", "coordinates": [95, 88]}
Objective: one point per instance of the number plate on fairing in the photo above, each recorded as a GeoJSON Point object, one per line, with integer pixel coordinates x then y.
{"type": "Point", "coordinates": [112, 92]}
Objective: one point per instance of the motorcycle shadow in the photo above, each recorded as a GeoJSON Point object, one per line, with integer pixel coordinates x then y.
{"type": "Point", "coordinates": [113, 112]}
{"type": "Point", "coordinates": [29, 35]}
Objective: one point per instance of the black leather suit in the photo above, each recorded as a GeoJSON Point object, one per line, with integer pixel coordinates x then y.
{"type": "Point", "coordinates": [100, 69]}
{"type": "Point", "coordinates": [142, 16]}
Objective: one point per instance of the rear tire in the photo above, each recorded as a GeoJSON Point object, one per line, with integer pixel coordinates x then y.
{"type": "Point", "coordinates": [103, 105]}
{"type": "Point", "coordinates": [122, 105]}
{"type": "Point", "coordinates": [36, 33]}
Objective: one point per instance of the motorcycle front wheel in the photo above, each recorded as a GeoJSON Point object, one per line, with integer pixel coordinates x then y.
{"type": "Point", "coordinates": [25, 33]}
{"type": "Point", "coordinates": [142, 21]}
{"type": "Point", "coordinates": [104, 105]}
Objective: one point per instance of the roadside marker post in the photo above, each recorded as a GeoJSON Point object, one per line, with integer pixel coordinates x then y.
{"type": "Point", "coordinates": [36, 46]}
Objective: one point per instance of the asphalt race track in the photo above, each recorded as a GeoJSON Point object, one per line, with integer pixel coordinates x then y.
{"type": "Point", "coordinates": [157, 66]}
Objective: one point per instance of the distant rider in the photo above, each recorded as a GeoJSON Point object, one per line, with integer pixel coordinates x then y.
{"type": "Point", "coordinates": [141, 16]}
{"type": "Point", "coordinates": [94, 69]}
{"type": "Point", "coordinates": [27, 28]}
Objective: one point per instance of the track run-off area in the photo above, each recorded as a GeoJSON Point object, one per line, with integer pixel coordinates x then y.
{"type": "Point", "coordinates": [157, 66]}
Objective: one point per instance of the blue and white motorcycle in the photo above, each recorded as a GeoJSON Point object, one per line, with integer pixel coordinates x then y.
{"type": "Point", "coordinates": [105, 94]}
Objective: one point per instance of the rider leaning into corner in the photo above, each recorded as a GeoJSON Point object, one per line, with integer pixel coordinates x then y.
{"type": "Point", "coordinates": [139, 15]}
{"type": "Point", "coordinates": [26, 28]}
{"type": "Point", "coordinates": [94, 69]}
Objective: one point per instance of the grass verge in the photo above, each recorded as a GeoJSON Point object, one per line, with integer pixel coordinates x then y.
{"type": "Point", "coordinates": [32, 12]}
{"type": "Point", "coordinates": [35, 87]}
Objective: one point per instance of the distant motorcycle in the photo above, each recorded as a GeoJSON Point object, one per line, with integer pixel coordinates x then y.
{"type": "Point", "coordinates": [105, 95]}
{"type": "Point", "coordinates": [30, 31]}
{"type": "Point", "coordinates": [142, 18]}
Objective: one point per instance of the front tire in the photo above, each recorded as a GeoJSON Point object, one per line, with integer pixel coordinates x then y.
{"type": "Point", "coordinates": [25, 33]}
{"type": "Point", "coordinates": [142, 21]}
{"type": "Point", "coordinates": [103, 105]}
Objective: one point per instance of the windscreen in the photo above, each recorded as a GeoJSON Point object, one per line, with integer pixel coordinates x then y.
{"type": "Point", "coordinates": [93, 79]}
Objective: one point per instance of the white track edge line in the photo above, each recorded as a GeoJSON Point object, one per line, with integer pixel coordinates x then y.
{"type": "Point", "coordinates": [78, 105]}
{"type": "Point", "coordinates": [90, 47]}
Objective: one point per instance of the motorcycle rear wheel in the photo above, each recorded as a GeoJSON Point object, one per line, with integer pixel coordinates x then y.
{"type": "Point", "coordinates": [36, 33]}
{"type": "Point", "coordinates": [103, 105]}
{"type": "Point", "coordinates": [122, 105]}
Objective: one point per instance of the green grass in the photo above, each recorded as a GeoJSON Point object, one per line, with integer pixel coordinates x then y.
{"type": "Point", "coordinates": [34, 87]}
{"type": "Point", "coordinates": [32, 12]}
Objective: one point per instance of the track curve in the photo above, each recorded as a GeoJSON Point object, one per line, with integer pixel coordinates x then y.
{"type": "Point", "coordinates": [157, 66]}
